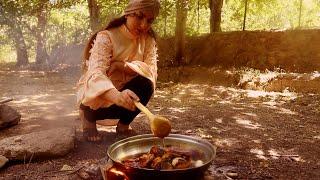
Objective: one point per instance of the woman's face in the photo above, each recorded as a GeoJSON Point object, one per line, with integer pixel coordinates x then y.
{"type": "Point", "coordinates": [140, 22]}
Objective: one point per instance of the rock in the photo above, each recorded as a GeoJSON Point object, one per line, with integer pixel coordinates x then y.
{"type": "Point", "coordinates": [92, 169]}
{"type": "Point", "coordinates": [3, 161]}
{"type": "Point", "coordinates": [66, 168]}
{"type": "Point", "coordinates": [44, 144]}
{"type": "Point", "coordinates": [8, 116]}
{"type": "Point", "coordinates": [175, 131]}
{"type": "Point", "coordinates": [208, 177]}
{"type": "Point", "coordinates": [83, 174]}
{"type": "Point", "coordinates": [189, 131]}
{"type": "Point", "coordinates": [232, 174]}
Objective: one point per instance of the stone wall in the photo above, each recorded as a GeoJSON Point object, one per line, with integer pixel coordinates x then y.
{"type": "Point", "coordinates": [294, 50]}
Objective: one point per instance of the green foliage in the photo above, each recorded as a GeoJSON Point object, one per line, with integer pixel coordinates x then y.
{"type": "Point", "coordinates": [68, 26]}
{"type": "Point", "coordinates": [165, 23]}
{"type": "Point", "coordinates": [6, 48]}
{"type": "Point", "coordinates": [270, 14]}
{"type": "Point", "coordinates": [111, 9]}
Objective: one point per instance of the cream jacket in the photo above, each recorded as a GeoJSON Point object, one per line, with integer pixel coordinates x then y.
{"type": "Point", "coordinates": [112, 50]}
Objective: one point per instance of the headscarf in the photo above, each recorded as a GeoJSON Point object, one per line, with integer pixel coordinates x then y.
{"type": "Point", "coordinates": [136, 5]}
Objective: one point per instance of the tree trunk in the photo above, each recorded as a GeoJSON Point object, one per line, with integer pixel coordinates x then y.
{"type": "Point", "coordinates": [21, 47]}
{"type": "Point", "coordinates": [181, 20]}
{"type": "Point", "coordinates": [215, 15]}
{"type": "Point", "coordinates": [198, 15]}
{"type": "Point", "coordinates": [245, 15]}
{"type": "Point", "coordinates": [165, 19]}
{"type": "Point", "coordinates": [15, 32]}
{"type": "Point", "coordinates": [300, 10]}
{"type": "Point", "coordinates": [42, 55]}
{"type": "Point", "coordinates": [94, 12]}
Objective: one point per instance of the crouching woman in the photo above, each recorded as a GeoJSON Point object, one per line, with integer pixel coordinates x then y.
{"type": "Point", "coordinates": [120, 67]}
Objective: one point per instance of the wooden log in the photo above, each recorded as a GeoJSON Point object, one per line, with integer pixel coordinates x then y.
{"type": "Point", "coordinates": [6, 100]}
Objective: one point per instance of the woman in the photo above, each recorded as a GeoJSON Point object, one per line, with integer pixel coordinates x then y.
{"type": "Point", "coordinates": [120, 68]}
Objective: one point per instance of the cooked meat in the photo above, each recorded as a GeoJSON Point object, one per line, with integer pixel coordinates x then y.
{"type": "Point", "coordinates": [162, 159]}
{"type": "Point", "coordinates": [166, 165]}
{"type": "Point", "coordinates": [160, 163]}
{"type": "Point", "coordinates": [145, 160]}
{"type": "Point", "coordinates": [168, 156]}
{"type": "Point", "coordinates": [194, 154]}
{"type": "Point", "coordinates": [181, 163]}
{"type": "Point", "coordinates": [156, 163]}
{"type": "Point", "coordinates": [142, 161]}
{"type": "Point", "coordinates": [179, 151]}
{"type": "Point", "coordinates": [157, 151]}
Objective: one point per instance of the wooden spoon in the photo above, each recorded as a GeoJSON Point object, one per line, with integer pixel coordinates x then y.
{"type": "Point", "coordinates": [160, 126]}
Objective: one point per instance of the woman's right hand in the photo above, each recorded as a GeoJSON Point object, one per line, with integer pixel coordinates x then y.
{"type": "Point", "coordinates": [124, 98]}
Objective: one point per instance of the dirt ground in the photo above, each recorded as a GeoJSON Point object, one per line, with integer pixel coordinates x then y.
{"type": "Point", "coordinates": [259, 135]}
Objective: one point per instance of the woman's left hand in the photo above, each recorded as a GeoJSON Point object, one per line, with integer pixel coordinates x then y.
{"type": "Point", "coordinates": [124, 98]}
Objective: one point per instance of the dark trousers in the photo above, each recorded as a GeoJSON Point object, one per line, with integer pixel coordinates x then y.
{"type": "Point", "coordinates": [140, 85]}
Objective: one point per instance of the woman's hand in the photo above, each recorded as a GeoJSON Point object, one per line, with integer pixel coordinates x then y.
{"type": "Point", "coordinates": [124, 98]}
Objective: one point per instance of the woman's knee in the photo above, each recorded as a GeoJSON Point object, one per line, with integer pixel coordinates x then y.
{"type": "Point", "coordinates": [142, 87]}
{"type": "Point", "coordinates": [147, 90]}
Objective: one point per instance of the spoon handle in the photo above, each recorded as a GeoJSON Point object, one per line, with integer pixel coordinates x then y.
{"type": "Point", "coordinates": [142, 108]}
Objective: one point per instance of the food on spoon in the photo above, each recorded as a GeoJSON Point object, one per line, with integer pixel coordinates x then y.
{"type": "Point", "coordinates": [160, 126]}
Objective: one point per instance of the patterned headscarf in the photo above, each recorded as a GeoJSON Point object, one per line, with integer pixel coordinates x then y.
{"type": "Point", "coordinates": [136, 5]}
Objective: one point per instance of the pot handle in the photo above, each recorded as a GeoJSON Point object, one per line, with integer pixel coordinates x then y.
{"type": "Point", "coordinates": [110, 172]}
{"type": "Point", "coordinates": [114, 174]}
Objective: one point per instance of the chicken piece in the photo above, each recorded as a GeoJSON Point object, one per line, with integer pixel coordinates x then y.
{"type": "Point", "coordinates": [156, 163]}
{"type": "Point", "coordinates": [164, 159]}
{"type": "Point", "coordinates": [145, 160]}
{"type": "Point", "coordinates": [166, 165]}
{"type": "Point", "coordinates": [192, 153]}
{"type": "Point", "coordinates": [132, 162]}
{"type": "Point", "coordinates": [176, 152]}
{"type": "Point", "coordinates": [157, 151]}
{"type": "Point", "coordinates": [181, 163]}
{"type": "Point", "coordinates": [168, 156]}
{"type": "Point", "coordinates": [161, 164]}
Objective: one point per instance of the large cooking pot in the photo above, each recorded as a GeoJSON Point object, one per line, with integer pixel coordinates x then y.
{"type": "Point", "coordinates": [142, 143]}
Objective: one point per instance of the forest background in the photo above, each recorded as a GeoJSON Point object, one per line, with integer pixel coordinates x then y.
{"type": "Point", "coordinates": [33, 31]}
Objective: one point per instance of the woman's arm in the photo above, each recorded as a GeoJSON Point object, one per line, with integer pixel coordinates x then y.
{"type": "Point", "coordinates": [150, 57]}
{"type": "Point", "coordinates": [98, 88]}
{"type": "Point", "coordinates": [95, 81]}
{"type": "Point", "coordinates": [124, 98]}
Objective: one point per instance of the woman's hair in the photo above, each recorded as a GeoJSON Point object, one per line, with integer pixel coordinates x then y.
{"type": "Point", "coordinates": [112, 24]}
